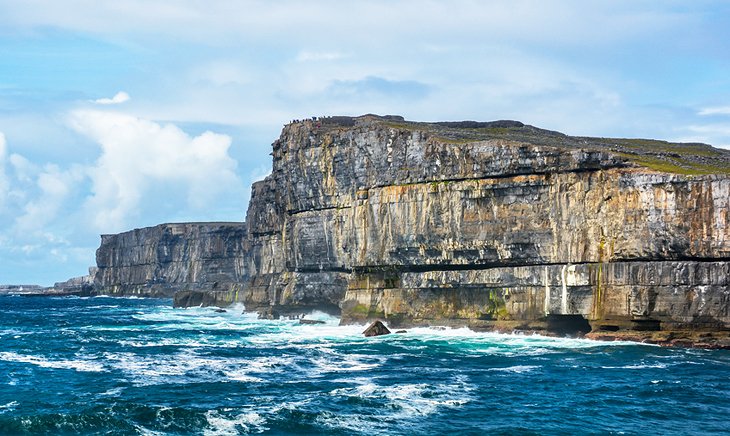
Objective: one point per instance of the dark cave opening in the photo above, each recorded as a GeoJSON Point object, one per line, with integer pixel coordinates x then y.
{"type": "Point", "coordinates": [568, 325]}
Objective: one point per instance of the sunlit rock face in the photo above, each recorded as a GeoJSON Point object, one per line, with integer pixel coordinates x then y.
{"type": "Point", "coordinates": [489, 225]}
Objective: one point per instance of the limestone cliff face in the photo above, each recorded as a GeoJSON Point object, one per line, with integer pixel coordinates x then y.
{"type": "Point", "coordinates": [403, 222]}
{"type": "Point", "coordinates": [491, 225]}
{"type": "Point", "coordinates": [162, 260]}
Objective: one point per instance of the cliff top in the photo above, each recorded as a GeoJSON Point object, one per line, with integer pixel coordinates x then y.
{"type": "Point", "coordinates": [181, 225]}
{"type": "Point", "coordinates": [681, 158]}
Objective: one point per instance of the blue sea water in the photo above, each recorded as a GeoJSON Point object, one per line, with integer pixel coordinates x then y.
{"type": "Point", "coordinates": [137, 366]}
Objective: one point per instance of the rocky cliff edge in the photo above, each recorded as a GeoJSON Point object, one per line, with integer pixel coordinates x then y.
{"type": "Point", "coordinates": [495, 226]}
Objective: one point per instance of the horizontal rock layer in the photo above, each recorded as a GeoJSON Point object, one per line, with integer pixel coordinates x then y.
{"type": "Point", "coordinates": [161, 260]}
{"type": "Point", "coordinates": [384, 219]}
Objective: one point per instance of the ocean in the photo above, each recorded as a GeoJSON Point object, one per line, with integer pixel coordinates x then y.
{"type": "Point", "coordinates": [124, 366]}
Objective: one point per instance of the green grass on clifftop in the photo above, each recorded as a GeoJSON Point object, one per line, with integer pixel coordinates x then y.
{"type": "Point", "coordinates": [679, 158]}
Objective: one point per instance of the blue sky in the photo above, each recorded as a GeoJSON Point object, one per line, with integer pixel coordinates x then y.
{"type": "Point", "coordinates": [124, 114]}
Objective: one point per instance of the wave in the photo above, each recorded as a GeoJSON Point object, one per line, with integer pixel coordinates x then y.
{"type": "Point", "coordinates": [403, 401]}
{"type": "Point", "coordinates": [221, 424]}
{"type": "Point", "coordinates": [336, 362]}
{"type": "Point", "coordinates": [78, 365]}
{"type": "Point", "coordinates": [187, 342]}
{"type": "Point", "coordinates": [284, 333]}
{"type": "Point", "coordinates": [8, 407]}
{"type": "Point", "coordinates": [125, 297]}
{"type": "Point", "coordinates": [517, 369]}
{"type": "Point", "coordinates": [639, 366]}
{"type": "Point", "coordinates": [189, 367]}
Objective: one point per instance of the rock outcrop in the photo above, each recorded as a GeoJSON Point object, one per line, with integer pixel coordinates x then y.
{"type": "Point", "coordinates": [377, 328]}
{"type": "Point", "coordinates": [82, 286]}
{"type": "Point", "coordinates": [163, 260]}
{"type": "Point", "coordinates": [489, 225]}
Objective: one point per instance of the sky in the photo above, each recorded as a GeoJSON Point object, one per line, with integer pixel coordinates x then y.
{"type": "Point", "coordinates": [116, 115]}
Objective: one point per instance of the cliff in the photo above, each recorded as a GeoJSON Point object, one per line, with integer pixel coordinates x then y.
{"type": "Point", "coordinates": [162, 260]}
{"type": "Point", "coordinates": [489, 225]}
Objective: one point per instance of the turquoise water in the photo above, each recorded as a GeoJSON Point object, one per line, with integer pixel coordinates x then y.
{"type": "Point", "coordinates": [136, 366]}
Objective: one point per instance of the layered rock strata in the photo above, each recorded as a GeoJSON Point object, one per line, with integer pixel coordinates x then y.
{"type": "Point", "coordinates": [489, 225]}
{"type": "Point", "coordinates": [162, 260]}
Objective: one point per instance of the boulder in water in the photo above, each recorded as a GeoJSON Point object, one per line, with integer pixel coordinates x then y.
{"type": "Point", "coordinates": [376, 329]}
{"type": "Point", "coordinates": [221, 311]}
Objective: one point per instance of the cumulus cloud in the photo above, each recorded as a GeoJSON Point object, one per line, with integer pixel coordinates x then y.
{"type": "Point", "coordinates": [146, 173]}
{"type": "Point", "coordinates": [35, 218]}
{"type": "Point", "coordinates": [140, 156]}
{"type": "Point", "coordinates": [54, 187]}
{"type": "Point", "coordinates": [23, 168]}
{"type": "Point", "coordinates": [33, 194]}
{"type": "Point", "coordinates": [119, 97]}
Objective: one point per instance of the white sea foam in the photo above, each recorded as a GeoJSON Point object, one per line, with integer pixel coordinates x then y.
{"type": "Point", "coordinates": [500, 344]}
{"type": "Point", "coordinates": [16, 333]}
{"type": "Point", "coordinates": [220, 424]}
{"type": "Point", "coordinates": [188, 367]}
{"type": "Point", "coordinates": [278, 333]}
{"type": "Point", "coordinates": [83, 365]}
{"type": "Point", "coordinates": [321, 316]}
{"type": "Point", "coordinates": [398, 402]}
{"type": "Point", "coordinates": [123, 297]}
{"type": "Point", "coordinates": [638, 366]}
{"type": "Point", "coordinates": [335, 362]}
{"type": "Point", "coordinates": [190, 342]}
{"type": "Point", "coordinates": [517, 369]}
{"type": "Point", "coordinates": [199, 319]}
{"type": "Point", "coordinates": [291, 332]}
{"type": "Point", "coordinates": [8, 407]}
{"type": "Point", "coordinates": [120, 297]}
{"type": "Point", "coordinates": [287, 405]}
{"type": "Point", "coordinates": [101, 306]}
{"type": "Point", "coordinates": [114, 392]}
{"type": "Point", "coordinates": [147, 432]}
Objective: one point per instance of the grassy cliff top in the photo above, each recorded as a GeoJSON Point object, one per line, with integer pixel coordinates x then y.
{"type": "Point", "coordinates": [680, 158]}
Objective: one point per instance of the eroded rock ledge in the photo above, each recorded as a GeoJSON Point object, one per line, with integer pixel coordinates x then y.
{"type": "Point", "coordinates": [489, 225]}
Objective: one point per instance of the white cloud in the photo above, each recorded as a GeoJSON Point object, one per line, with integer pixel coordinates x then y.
{"type": "Point", "coordinates": [720, 110]}
{"type": "Point", "coordinates": [54, 185]}
{"type": "Point", "coordinates": [571, 22]}
{"type": "Point", "coordinates": [35, 217]}
{"type": "Point", "coordinates": [139, 156]}
{"type": "Point", "coordinates": [24, 169]}
{"type": "Point", "coordinates": [52, 213]}
{"type": "Point", "coordinates": [119, 97]}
